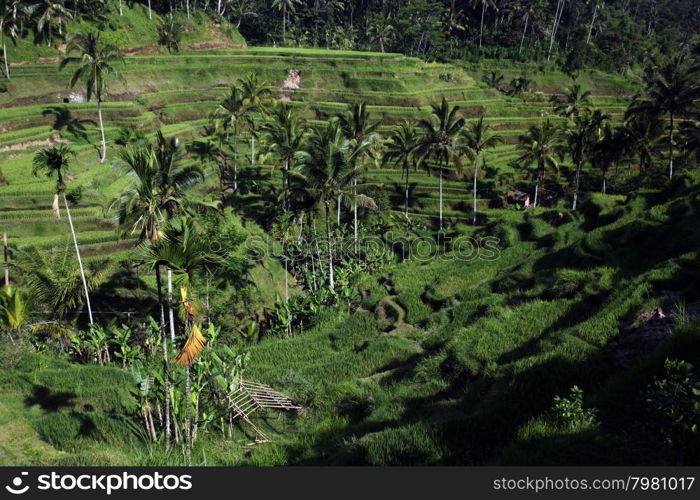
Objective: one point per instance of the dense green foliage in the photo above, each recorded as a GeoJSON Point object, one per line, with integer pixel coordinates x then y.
{"type": "Point", "coordinates": [457, 262]}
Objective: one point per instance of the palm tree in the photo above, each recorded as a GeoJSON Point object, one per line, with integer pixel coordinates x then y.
{"type": "Point", "coordinates": [187, 252]}
{"type": "Point", "coordinates": [439, 134]}
{"type": "Point", "coordinates": [529, 10]}
{"type": "Point", "coordinates": [605, 151]}
{"type": "Point", "coordinates": [519, 85]}
{"type": "Point", "coordinates": [14, 312]}
{"type": "Point", "coordinates": [170, 31]}
{"type": "Point", "coordinates": [573, 102]}
{"type": "Point", "coordinates": [286, 7]}
{"type": "Point", "coordinates": [477, 139]}
{"type": "Point", "coordinates": [256, 94]}
{"type": "Point", "coordinates": [326, 173]}
{"type": "Point", "coordinates": [671, 91]}
{"type": "Point", "coordinates": [360, 133]}
{"type": "Point", "coordinates": [96, 63]}
{"type": "Point", "coordinates": [401, 150]}
{"type": "Point", "coordinates": [494, 79]}
{"type": "Point", "coordinates": [45, 13]}
{"type": "Point", "coordinates": [640, 137]}
{"type": "Point", "coordinates": [380, 30]}
{"type": "Point", "coordinates": [539, 146]}
{"type": "Point", "coordinates": [581, 137]}
{"type": "Point", "coordinates": [690, 132]}
{"type": "Point", "coordinates": [53, 280]}
{"type": "Point", "coordinates": [484, 4]}
{"type": "Point", "coordinates": [10, 11]}
{"type": "Point", "coordinates": [55, 160]}
{"type": "Point", "coordinates": [229, 117]}
{"type": "Point", "coordinates": [284, 135]}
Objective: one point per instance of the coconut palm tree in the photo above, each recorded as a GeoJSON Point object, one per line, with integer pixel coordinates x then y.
{"type": "Point", "coordinates": [11, 12]}
{"type": "Point", "coordinates": [477, 139]}
{"type": "Point", "coordinates": [55, 160]}
{"type": "Point", "coordinates": [690, 132]}
{"type": "Point", "coordinates": [326, 173]}
{"type": "Point", "coordinates": [156, 194]}
{"type": "Point", "coordinates": [605, 151]}
{"type": "Point", "coordinates": [539, 146]}
{"type": "Point", "coordinates": [640, 137]}
{"type": "Point", "coordinates": [48, 16]}
{"type": "Point", "coordinates": [229, 117]}
{"type": "Point", "coordinates": [519, 85]}
{"type": "Point", "coordinates": [256, 94]}
{"type": "Point", "coordinates": [380, 30]}
{"type": "Point", "coordinates": [485, 5]}
{"type": "Point", "coordinates": [402, 150]}
{"type": "Point", "coordinates": [284, 135]}
{"type": "Point", "coordinates": [529, 11]}
{"type": "Point", "coordinates": [287, 7]}
{"type": "Point", "coordinates": [360, 133]}
{"type": "Point", "coordinates": [573, 102]}
{"type": "Point", "coordinates": [671, 90]}
{"type": "Point", "coordinates": [494, 79]}
{"type": "Point", "coordinates": [438, 139]}
{"type": "Point", "coordinates": [96, 63]}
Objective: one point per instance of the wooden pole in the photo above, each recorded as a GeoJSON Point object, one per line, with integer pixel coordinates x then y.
{"type": "Point", "coordinates": [6, 261]}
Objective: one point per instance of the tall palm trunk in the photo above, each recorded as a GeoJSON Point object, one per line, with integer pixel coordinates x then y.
{"type": "Point", "coordinates": [252, 149]}
{"type": "Point", "coordinates": [354, 216]}
{"type": "Point", "coordinates": [338, 212]}
{"type": "Point", "coordinates": [284, 24]}
{"type": "Point", "coordinates": [537, 186]}
{"type": "Point", "coordinates": [577, 183]}
{"type": "Point", "coordinates": [56, 207]}
{"type": "Point", "coordinates": [80, 261]}
{"type": "Point", "coordinates": [476, 174]}
{"type": "Point", "coordinates": [481, 30]}
{"type": "Point", "coordinates": [4, 56]}
{"type": "Point", "coordinates": [121, 9]}
{"type": "Point", "coordinates": [150, 12]}
{"type": "Point", "coordinates": [102, 130]}
{"type": "Point", "coordinates": [171, 314]}
{"type": "Point", "coordinates": [670, 147]}
{"type": "Point", "coordinates": [187, 3]}
{"type": "Point", "coordinates": [406, 192]}
{"type": "Point", "coordinates": [522, 39]}
{"type": "Point", "coordinates": [329, 237]}
{"type": "Point", "coordinates": [166, 364]}
{"type": "Point", "coordinates": [557, 17]}
{"type": "Point", "coordinates": [440, 195]}
{"type": "Point", "coordinates": [590, 28]}
{"type": "Point", "coordinates": [188, 415]}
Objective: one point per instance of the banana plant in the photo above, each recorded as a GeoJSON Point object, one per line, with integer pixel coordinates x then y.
{"type": "Point", "coordinates": [144, 383]}
{"type": "Point", "coordinates": [97, 343]}
{"type": "Point", "coordinates": [122, 339]}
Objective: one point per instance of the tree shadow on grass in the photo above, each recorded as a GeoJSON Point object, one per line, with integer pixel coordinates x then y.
{"type": "Point", "coordinates": [48, 400]}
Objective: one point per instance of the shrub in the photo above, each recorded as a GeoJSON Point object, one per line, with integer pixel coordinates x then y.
{"type": "Point", "coordinates": [674, 405]}
{"type": "Point", "coordinates": [570, 414]}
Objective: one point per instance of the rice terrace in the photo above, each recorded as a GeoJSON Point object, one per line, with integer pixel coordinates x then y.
{"type": "Point", "coordinates": [340, 232]}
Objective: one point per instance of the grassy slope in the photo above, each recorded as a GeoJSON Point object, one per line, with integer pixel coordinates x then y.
{"type": "Point", "coordinates": [486, 344]}
{"type": "Point", "coordinates": [468, 379]}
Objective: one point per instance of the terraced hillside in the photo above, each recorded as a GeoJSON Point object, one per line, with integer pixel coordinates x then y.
{"type": "Point", "coordinates": [178, 94]}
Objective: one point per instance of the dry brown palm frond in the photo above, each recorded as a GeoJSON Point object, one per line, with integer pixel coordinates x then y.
{"type": "Point", "coordinates": [192, 348]}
